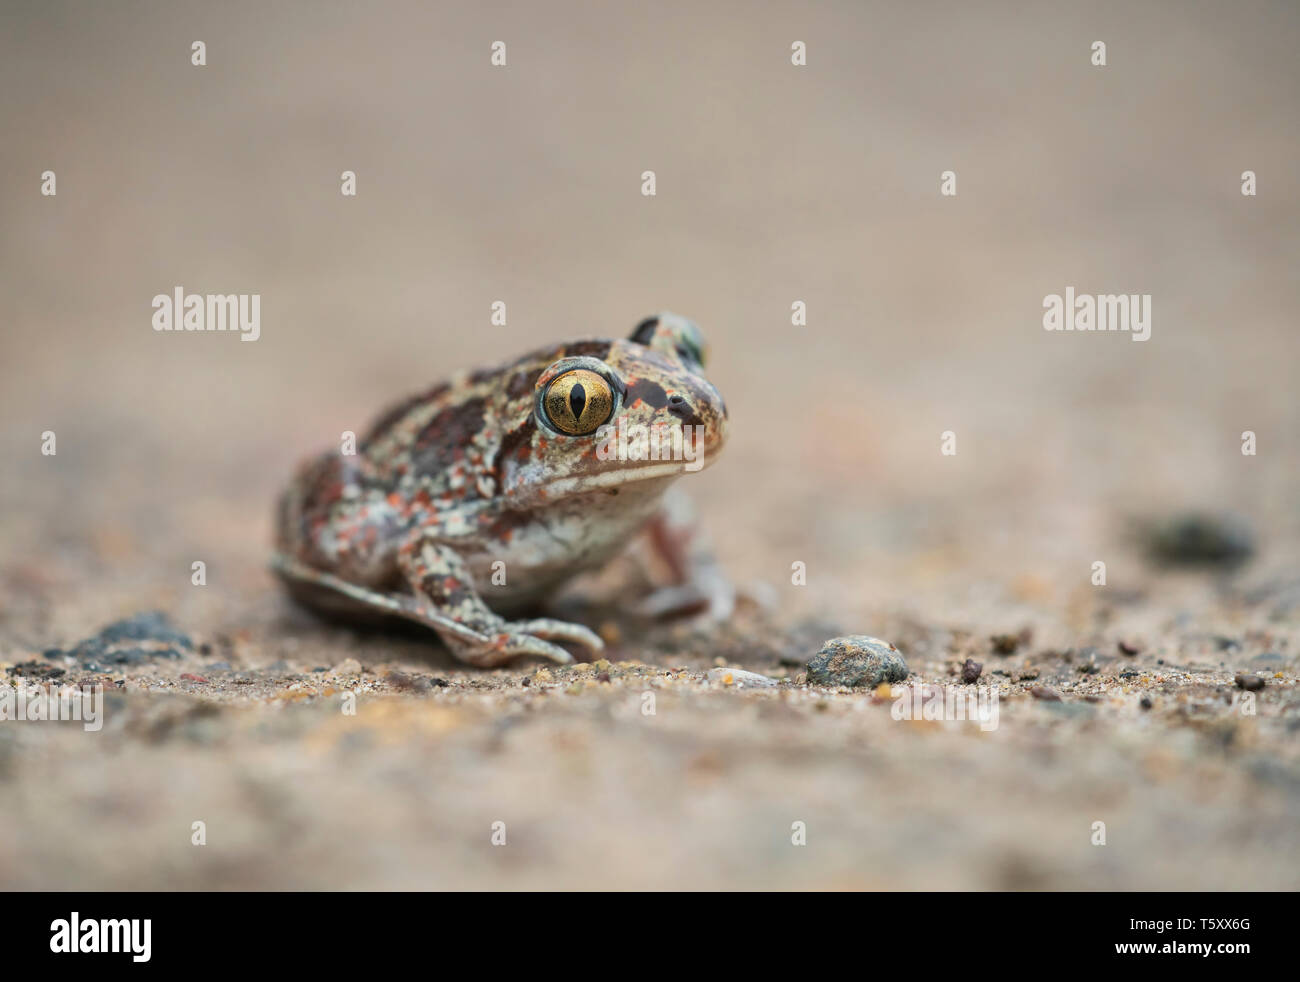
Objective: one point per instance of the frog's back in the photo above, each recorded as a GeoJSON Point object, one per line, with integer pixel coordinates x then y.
{"type": "Point", "coordinates": [460, 424]}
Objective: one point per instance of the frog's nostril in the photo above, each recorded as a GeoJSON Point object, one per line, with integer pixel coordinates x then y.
{"type": "Point", "coordinates": [680, 408]}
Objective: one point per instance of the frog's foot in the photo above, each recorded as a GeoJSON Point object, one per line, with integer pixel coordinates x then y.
{"type": "Point", "coordinates": [492, 650]}
{"type": "Point", "coordinates": [515, 638]}
{"type": "Point", "coordinates": [709, 598]}
{"type": "Point", "coordinates": [553, 630]}
{"type": "Point", "coordinates": [699, 587]}
{"type": "Point", "coordinates": [445, 599]}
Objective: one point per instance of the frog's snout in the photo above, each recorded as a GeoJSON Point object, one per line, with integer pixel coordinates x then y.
{"type": "Point", "coordinates": [700, 405]}
{"type": "Point", "coordinates": [683, 410]}
{"type": "Point", "coordinates": [715, 421]}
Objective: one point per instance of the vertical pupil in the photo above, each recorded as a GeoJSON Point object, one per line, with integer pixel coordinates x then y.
{"type": "Point", "coordinates": [577, 399]}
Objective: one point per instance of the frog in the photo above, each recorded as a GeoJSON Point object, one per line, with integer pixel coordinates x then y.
{"type": "Point", "coordinates": [465, 507]}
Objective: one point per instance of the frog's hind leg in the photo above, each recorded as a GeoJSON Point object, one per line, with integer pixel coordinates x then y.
{"type": "Point", "coordinates": [444, 601]}
{"type": "Point", "coordinates": [444, 594]}
{"type": "Point", "coordinates": [333, 596]}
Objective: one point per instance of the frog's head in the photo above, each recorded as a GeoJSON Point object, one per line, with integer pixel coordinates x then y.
{"type": "Point", "coordinates": [617, 416]}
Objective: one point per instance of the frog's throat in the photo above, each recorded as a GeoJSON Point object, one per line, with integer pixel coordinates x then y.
{"type": "Point", "coordinates": [617, 477]}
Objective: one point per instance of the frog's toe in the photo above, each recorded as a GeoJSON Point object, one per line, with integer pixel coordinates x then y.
{"type": "Point", "coordinates": [545, 627]}
{"type": "Point", "coordinates": [505, 647]}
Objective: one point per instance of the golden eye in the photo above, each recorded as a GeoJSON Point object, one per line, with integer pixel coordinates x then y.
{"type": "Point", "coordinates": [578, 402]}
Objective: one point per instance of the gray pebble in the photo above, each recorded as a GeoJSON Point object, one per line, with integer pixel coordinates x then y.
{"type": "Point", "coordinates": [856, 660]}
{"type": "Point", "coordinates": [131, 641]}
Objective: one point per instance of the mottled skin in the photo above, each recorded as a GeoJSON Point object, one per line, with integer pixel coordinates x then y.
{"type": "Point", "coordinates": [474, 472]}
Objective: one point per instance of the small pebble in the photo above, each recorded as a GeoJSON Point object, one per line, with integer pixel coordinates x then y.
{"type": "Point", "coordinates": [737, 676]}
{"type": "Point", "coordinates": [1045, 693]}
{"type": "Point", "coordinates": [406, 683]}
{"type": "Point", "coordinates": [1251, 683]}
{"type": "Point", "coordinates": [1005, 644]}
{"type": "Point", "coordinates": [1206, 539]}
{"type": "Point", "coordinates": [348, 666]}
{"type": "Point", "coordinates": [1130, 647]}
{"type": "Point", "coordinates": [135, 639]}
{"type": "Point", "coordinates": [37, 670]}
{"type": "Point", "coordinates": [970, 671]}
{"type": "Point", "coordinates": [856, 660]}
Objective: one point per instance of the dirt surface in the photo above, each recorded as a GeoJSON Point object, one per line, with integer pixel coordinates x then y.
{"type": "Point", "coordinates": [703, 791]}
{"type": "Point", "coordinates": [775, 184]}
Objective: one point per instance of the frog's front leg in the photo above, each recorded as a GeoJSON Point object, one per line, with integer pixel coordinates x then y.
{"type": "Point", "coordinates": [698, 584]}
{"type": "Point", "coordinates": [447, 601]}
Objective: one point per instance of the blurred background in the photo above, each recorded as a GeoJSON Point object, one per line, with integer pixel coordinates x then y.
{"type": "Point", "coordinates": [775, 183]}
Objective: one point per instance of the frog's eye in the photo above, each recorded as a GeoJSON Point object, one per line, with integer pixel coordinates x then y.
{"type": "Point", "coordinates": [645, 331]}
{"type": "Point", "coordinates": [578, 402]}
{"type": "Point", "coordinates": [690, 352]}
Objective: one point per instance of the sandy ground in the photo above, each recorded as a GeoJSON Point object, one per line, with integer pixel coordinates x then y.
{"type": "Point", "coordinates": [775, 184]}
{"type": "Point", "coordinates": [703, 791]}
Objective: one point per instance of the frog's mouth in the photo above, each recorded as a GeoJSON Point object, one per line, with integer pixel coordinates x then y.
{"type": "Point", "coordinates": [622, 473]}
